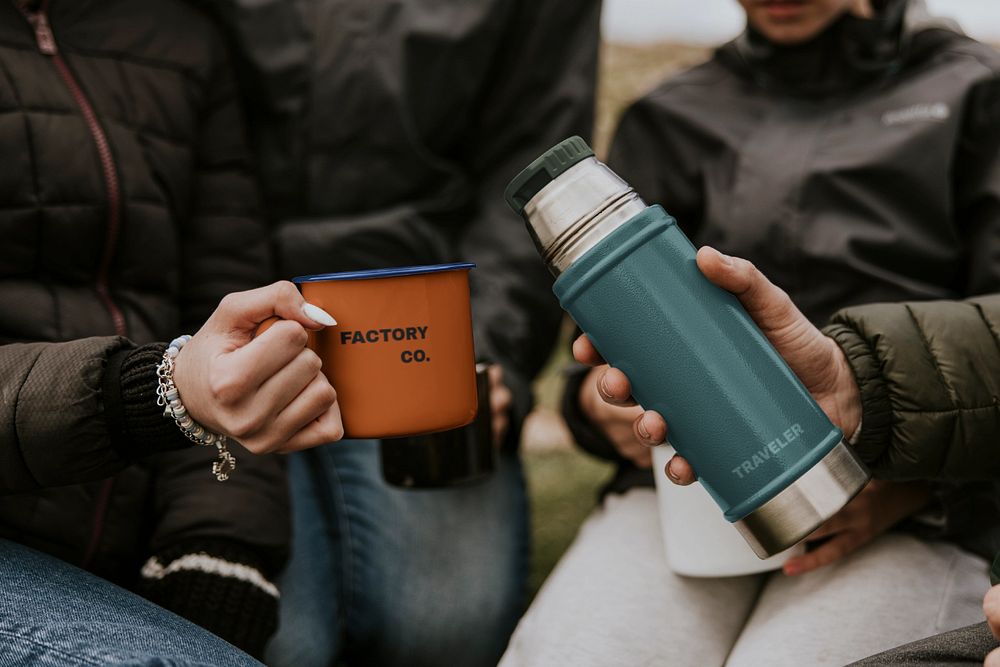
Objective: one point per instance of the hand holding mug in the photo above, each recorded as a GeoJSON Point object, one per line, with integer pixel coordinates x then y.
{"type": "Point", "coordinates": [268, 391]}
{"type": "Point", "coordinates": [816, 359]}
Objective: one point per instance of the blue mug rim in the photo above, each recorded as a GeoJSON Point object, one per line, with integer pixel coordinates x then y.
{"type": "Point", "coordinates": [385, 273]}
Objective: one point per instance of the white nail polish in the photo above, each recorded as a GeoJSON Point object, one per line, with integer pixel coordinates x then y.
{"type": "Point", "coordinates": [318, 315]}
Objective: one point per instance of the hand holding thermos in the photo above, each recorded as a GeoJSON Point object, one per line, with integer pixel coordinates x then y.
{"type": "Point", "coordinates": [821, 365]}
{"type": "Point", "coordinates": [815, 358]}
{"type": "Point", "coordinates": [765, 451]}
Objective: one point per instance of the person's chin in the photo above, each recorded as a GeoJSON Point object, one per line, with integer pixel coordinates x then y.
{"type": "Point", "coordinates": [788, 33]}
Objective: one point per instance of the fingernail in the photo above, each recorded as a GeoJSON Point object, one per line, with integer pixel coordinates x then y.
{"type": "Point", "coordinates": [318, 315]}
{"type": "Point", "coordinates": [643, 431]}
{"type": "Point", "coordinates": [726, 259]}
{"type": "Point", "coordinates": [670, 473]}
{"type": "Point", "coordinates": [602, 386]}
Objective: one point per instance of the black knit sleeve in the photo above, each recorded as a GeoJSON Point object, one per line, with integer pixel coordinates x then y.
{"type": "Point", "coordinates": [221, 585]}
{"type": "Point", "coordinates": [77, 411]}
{"type": "Point", "coordinates": [135, 422]}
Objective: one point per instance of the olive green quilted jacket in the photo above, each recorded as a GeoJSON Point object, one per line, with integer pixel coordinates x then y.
{"type": "Point", "coordinates": [929, 375]}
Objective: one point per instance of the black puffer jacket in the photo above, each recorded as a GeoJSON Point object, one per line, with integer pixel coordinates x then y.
{"type": "Point", "coordinates": [127, 210]}
{"type": "Point", "coordinates": [862, 166]}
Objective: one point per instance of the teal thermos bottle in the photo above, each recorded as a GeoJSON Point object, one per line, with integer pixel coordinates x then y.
{"type": "Point", "coordinates": [761, 446]}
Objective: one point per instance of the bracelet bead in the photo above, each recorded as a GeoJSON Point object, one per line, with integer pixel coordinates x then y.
{"type": "Point", "coordinates": [169, 398]}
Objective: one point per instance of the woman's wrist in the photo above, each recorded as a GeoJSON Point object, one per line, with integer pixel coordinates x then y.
{"type": "Point", "coordinates": [169, 398]}
{"type": "Point", "coordinates": [845, 393]}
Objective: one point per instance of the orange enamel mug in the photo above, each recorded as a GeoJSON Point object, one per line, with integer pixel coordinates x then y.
{"type": "Point", "coordinates": [401, 355]}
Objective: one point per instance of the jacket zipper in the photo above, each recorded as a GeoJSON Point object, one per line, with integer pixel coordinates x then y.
{"type": "Point", "coordinates": [39, 21]}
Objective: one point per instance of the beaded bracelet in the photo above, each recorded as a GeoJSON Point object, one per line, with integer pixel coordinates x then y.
{"type": "Point", "coordinates": [170, 400]}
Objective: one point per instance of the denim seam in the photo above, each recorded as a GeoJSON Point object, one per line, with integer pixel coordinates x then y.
{"type": "Point", "coordinates": [348, 571]}
{"type": "Point", "coordinates": [51, 648]}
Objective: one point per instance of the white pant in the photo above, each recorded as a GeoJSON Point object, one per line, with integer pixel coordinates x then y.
{"type": "Point", "coordinates": [612, 601]}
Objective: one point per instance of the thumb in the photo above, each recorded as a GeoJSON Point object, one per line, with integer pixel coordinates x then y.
{"type": "Point", "coordinates": [766, 303]}
{"type": "Point", "coordinates": [244, 311]}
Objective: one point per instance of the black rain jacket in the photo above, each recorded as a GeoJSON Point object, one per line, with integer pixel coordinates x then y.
{"type": "Point", "coordinates": [387, 131]}
{"type": "Point", "coordinates": [863, 166]}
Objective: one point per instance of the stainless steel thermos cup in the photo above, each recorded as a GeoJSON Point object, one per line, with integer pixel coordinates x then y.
{"type": "Point", "coordinates": [761, 446]}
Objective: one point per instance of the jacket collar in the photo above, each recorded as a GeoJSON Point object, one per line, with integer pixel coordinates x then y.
{"type": "Point", "coordinates": [852, 53]}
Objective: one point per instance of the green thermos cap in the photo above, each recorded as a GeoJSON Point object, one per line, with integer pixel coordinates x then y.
{"type": "Point", "coordinates": [544, 170]}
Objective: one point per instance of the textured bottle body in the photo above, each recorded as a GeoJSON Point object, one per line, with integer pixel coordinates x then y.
{"type": "Point", "coordinates": [735, 409]}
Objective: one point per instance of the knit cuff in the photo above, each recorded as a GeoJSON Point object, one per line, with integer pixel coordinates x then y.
{"type": "Point", "coordinates": [219, 585]}
{"type": "Point", "coordinates": [136, 423]}
{"type": "Point", "coordinates": [876, 408]}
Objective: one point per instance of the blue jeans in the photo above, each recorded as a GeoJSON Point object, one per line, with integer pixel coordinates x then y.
{"type": "Point", "coordinates": [52, 613]}
{"type": "Point", "coordinates": [385, 576]}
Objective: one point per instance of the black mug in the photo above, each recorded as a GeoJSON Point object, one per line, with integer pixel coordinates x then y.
{"type": "Point", "coordinates": [437, 460]}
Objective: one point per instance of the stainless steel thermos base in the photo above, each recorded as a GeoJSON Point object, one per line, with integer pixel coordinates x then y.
{"type": "Point", "coordinates": [809, 501]}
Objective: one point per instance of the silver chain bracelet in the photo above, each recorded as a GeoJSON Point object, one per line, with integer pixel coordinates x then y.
{"type": "Point", "coordinates": [170, 400]}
